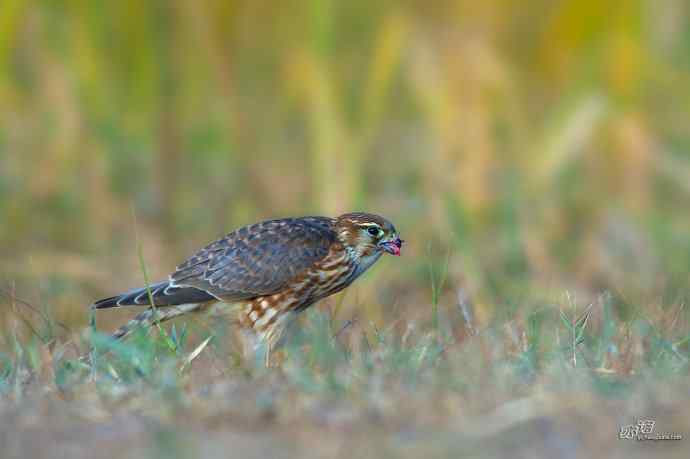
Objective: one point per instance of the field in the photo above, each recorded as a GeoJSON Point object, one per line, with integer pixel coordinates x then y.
{"type": "Point", "coordinates": [534, 156]}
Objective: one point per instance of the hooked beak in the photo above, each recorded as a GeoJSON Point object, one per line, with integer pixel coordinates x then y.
{"type": "Point", "coordinates": [392, 246]}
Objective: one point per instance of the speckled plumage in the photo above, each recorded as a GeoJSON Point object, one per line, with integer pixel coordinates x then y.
{"type": "Point", "coordinates": [270, 270]}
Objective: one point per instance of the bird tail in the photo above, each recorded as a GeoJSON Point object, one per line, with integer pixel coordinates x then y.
{"type": "Point", "coordinates": [153, 315]}
{"type": "Point", "coordinates": [163, 294]}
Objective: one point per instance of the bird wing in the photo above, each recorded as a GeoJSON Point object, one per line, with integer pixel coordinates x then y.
{"type": "Point", "coordinates": [258, 259]}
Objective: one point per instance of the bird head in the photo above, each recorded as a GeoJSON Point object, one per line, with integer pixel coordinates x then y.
{"type": "Point", "coordinates": [368, 234]}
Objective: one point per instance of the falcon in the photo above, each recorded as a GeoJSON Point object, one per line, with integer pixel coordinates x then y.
{"type": "Point", "coordinates": [269, 271]}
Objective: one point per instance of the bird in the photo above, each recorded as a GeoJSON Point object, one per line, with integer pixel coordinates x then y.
{"type": "Point", "coordinates": [267, 273]}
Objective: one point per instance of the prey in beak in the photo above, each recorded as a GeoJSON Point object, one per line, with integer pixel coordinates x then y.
{"type": "Point", "coordinates": [392, 246]}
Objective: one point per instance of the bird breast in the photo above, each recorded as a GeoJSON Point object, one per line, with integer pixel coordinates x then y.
{"type": "Point", "coordinates": [332, 274]}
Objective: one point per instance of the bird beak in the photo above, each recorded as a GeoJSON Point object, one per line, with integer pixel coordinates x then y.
{"type": "Point", "coordinates": [392, 246]}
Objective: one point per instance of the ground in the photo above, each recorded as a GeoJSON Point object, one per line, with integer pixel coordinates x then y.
{"type": "Point", "coordinates": [406, 392]}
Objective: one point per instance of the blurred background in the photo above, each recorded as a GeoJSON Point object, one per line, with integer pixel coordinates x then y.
{"type": "Point", "coordinates": [523, 149]}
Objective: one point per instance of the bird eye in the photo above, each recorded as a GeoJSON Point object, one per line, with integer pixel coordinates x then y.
{"type": "Point", "coordinates": [374, 231]}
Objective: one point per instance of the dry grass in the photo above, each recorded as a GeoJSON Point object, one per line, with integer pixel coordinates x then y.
{"type": "Point", "coordinates": [558, 381]}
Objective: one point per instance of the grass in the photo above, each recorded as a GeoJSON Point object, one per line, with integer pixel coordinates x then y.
{"type": "Point", "coordinates": [555, 377]}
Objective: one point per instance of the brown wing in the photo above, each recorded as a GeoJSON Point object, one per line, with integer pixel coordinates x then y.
{"type": "Point", "coordinates": [257, 259]}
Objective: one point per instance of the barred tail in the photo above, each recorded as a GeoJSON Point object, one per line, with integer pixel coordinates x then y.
{"type": "Point", "coordinates": [151, 316]}
{"type": "Point", "coordinates": [163, 294]}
